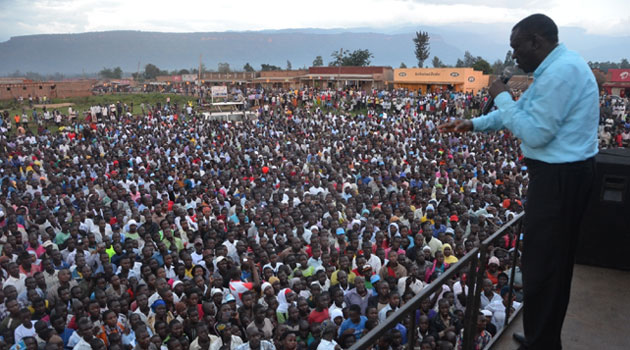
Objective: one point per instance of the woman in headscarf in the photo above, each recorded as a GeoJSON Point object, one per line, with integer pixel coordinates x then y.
{"type": "Point", "coordinates": [266, 291]}
{"type": "Point", "coordinates": [285, 299]}
{"type": "Point", "coordinates": [159, 313]}
{"type": "Point", "coordinates": [449, 258]}
{"type": "Point", "coordinates": [439, 266]}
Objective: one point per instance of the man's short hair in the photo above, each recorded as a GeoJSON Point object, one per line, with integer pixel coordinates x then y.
{"type": "Point", "coordinates": [539, 24]}
{"type": "Point", "coordinates": [355, 308]}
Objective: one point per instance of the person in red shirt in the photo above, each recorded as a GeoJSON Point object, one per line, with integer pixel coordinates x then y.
{"type": "Point", "coordinates": [320, 314]}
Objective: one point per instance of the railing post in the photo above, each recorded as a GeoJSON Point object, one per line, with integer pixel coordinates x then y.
{"type": "Point", "coordinates": [469, 332]}
{"type": "Point", "coordinates": [412, 332]}
{"type": "Point", "coordinates": [508, 308]}
{"type": "Point", "coordinates": [470, 297]}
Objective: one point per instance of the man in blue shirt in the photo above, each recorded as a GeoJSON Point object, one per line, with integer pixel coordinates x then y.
{"type": "Point", "coordinates": [354, 324]}
{"type": "Point", "coordinates": [556, 120]}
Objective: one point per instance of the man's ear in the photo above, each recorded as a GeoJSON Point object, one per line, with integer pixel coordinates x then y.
{"type": "Point", "coordinates": [537, 41]}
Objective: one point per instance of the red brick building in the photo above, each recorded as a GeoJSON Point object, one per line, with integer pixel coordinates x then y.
{"type": "Point", "coordinates": [618, 82]}
{"type": "Point", "coordinates": [11, 88]}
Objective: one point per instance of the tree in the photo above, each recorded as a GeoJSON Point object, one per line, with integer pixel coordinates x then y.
{"type": "Point", "coordinates": [105, 73]}
{"type": "Point", "coordinates": [267, 67]}
{"type": "Point", "coordinates": [509, 61]}
{"type": "Point", "coordinates": [224, 67]}
{"type": "Point", "coordinates": [422, 51]}
{"type": "Point", "coordinates": [403, 65]}
{"type": "Point", "coordinates": [357, 58]}
{"type": "Point", "coordinates": [117, 73]}
{"type": "Point", "coordinates": [437, 62]}
{"type": "Point", "coordinates": [248, 68]}
{"type": "Point", "coordinates": [469, 59]}
{"type": "Point", "coordinates": [108, 73]}
{"type": "Point", "coordinates": [318, 61]}
{"type": "Point", "coordinates": [289, 66]}
{"type": "Point", "coordinates": [498, 66]}
{"type": "Point", "coordinates": [183, 71]}
{"type": "Point", "coordinates": [624, 63]}
{"type": "Point", "coordinates": [459, 63]}
{"type": "Point", "coordinates": [482, 65]}
{"type": "Point", "coordinates": [151, 71]}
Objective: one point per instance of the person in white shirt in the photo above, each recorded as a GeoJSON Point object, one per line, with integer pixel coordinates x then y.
{"type": "Point", "coordinates": [394, 302]}
{"type": "Point", "coordinates": [411, 282]}
{"type": "Point", "coordinates": [27, 328]}
{"type": "Point", "coordinates": [488, 294]}
{"type": "Point", "coordinates": [255, 342]}
{"type": "Point", "coordinates": [15, 278]}
{"type": "Point", "coordinates": [86, 332]}
{"type": "Point", "coordinates": [197, 254]}
{"type": "Point", "coordinates": [497, 307]}
{"type": "Point", "coordinates": [327, 342]}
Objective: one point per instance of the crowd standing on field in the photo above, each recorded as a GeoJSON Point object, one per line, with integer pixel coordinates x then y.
{"type": "Point", "coordinates": [302, 228]}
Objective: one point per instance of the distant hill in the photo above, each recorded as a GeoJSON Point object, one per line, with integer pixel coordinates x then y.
{"type": "Point", "coordinates": [90, 52]}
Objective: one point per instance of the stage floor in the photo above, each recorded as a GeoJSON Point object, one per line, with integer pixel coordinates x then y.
{"type": "Point", "coordinates": [598, 315]}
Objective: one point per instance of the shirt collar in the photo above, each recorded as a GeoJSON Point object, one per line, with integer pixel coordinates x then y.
{"type": "Point", "coordinates": [551, 57]}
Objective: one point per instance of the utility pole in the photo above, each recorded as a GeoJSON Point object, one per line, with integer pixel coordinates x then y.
{"type": "Point", "coordinates": [339, 71]}
{"type": "Point", "coordinates": [199, 70]}
{"type": "Point", "coordinates": [199, 81]}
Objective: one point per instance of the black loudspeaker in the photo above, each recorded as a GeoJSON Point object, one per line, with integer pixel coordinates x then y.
{"type": "Point", "coordinates": [605, 234]}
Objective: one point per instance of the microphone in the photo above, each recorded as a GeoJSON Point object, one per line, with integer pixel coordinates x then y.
{"type": "Point", "coordinates": [506, 75]}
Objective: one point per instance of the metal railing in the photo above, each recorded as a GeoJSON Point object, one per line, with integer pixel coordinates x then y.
{"type": "Point", "coordinates": [474, 262]}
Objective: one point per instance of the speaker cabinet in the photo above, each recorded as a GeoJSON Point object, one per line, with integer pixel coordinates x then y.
{"type": "Point", "coordinates": [605, 234]}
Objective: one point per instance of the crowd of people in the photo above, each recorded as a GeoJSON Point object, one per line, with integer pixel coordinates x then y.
{"type": "Point", "coordinates": [302, 228]}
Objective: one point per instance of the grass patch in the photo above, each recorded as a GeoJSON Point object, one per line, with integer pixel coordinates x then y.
{"type": "Point", "coordinates": [82, 105]}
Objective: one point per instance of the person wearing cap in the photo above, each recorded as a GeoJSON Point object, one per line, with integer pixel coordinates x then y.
{"type": "Point", "coordinates": [492, 272]}
{"type": "Point", "coordinates": [490, 327]}
{"type": "Point", "coordinates": [226, 339]}
{"type": "Point", "coordinates": [429, 214]}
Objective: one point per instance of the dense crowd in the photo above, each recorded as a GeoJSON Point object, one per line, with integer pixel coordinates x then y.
{"type": "Point", "coordinates": [302, 228]}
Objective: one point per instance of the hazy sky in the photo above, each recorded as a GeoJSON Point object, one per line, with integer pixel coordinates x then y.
{"type": "Point", "coordinates": [22, 17]}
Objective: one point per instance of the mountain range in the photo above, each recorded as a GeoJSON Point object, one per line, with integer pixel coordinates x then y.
{"type": "Point", "coordinates": [91, 52]}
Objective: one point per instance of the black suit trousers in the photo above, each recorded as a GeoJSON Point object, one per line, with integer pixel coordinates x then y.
{"type": "Point", "coordinates": [557, 197]}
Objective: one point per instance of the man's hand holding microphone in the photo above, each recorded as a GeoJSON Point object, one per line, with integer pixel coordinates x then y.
{"type": "Point", "coordinates": [497, 87]}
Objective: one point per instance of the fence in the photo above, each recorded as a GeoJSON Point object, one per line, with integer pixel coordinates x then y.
{"type": "Point", "coordinates": [475, 262]}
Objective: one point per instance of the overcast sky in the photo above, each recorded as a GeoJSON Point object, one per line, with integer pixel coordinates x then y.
{"type": "Point", "coordinates": [22, 17]}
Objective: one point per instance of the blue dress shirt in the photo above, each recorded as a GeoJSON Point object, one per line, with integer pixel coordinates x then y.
{"type": "Point", "coordinates": [556, 118]}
